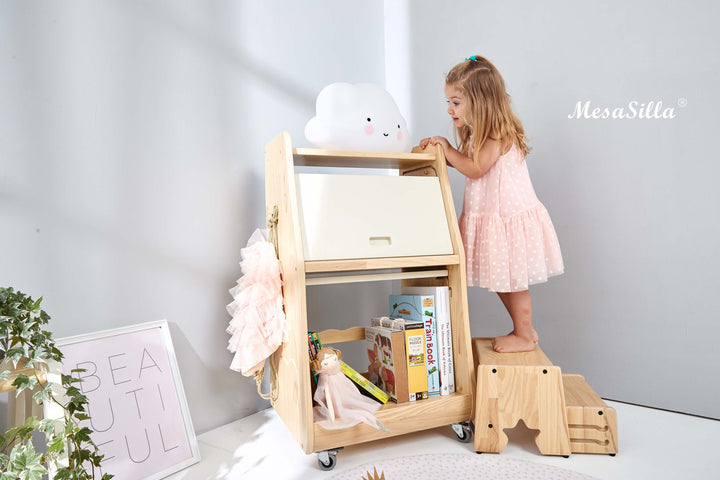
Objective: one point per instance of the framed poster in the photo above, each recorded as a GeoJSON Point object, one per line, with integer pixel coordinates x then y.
{"type": "Point", "coordinates": [139, 414]}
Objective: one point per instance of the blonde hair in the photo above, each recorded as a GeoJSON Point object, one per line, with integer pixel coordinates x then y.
{"type": "Point", "coordinates": [491, 115]}
{"type": "Point", "coordinates": [316, 365]}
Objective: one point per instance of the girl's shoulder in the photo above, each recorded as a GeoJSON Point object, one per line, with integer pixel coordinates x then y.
{"type": "Point", "coordinates": [513, 152]}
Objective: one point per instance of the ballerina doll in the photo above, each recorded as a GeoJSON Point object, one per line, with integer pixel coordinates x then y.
{"type": "Point", "coordinates": [340, 404]}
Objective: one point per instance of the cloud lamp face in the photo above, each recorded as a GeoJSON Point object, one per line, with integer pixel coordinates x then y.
{"type": "Point", "coordinates": [359, 116]}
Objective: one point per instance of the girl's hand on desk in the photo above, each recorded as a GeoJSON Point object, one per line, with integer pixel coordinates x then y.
{"type": "Point", "coordinates": [442, 141]}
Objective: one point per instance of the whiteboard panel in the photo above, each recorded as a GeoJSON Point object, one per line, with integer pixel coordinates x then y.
{"type": "Point", "coordinates": [370, 216]}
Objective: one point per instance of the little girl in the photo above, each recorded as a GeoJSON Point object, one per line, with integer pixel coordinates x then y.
{"type": "Point", "coordinates": [509, 240]}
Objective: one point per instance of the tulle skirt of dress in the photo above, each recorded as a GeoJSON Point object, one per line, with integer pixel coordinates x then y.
{"type": "Point", "coordinates": [257, 327]}
{"type": "Point", "coordinates": [508, 255]}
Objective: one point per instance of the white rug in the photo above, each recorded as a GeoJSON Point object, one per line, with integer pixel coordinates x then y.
{"type": "Point", "coordinates": [457, 467]}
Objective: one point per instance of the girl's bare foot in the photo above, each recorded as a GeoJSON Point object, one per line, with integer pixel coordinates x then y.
{"type": "Point", "coordinates": [535, 337]}
{"type": "Point", "coordinates": [513, 343]}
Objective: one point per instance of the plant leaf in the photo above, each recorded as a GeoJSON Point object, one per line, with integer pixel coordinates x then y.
{"type": "Point", "coordinates": [25, 461]}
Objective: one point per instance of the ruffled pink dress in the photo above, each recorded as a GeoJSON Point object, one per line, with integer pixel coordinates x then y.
{"type": "Point", "coordinates": [509, 239]}
{"type": "Point", "coordinates": [257, 327]}
{"type": "Point", "coordinates": [349, 405]}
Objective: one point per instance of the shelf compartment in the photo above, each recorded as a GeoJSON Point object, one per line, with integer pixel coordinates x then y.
{"type": "Point", "coordinates": [400, 419]}
{"type": "Point", "coordinates": [311, 157]}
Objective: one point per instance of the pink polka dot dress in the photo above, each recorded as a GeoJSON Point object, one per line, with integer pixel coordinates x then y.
{"type": "Point", "coordinates": [510, 242]}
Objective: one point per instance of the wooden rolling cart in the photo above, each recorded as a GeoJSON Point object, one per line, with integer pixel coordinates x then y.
{"type": "Point", "coordinates": [294, 402]}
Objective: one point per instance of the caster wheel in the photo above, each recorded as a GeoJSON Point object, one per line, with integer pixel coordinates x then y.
{"type": "Point", "coordinates": [463, 432]}
{"type": "Point", "coordinates": [612, 454]}
{"type": "Point", "coordinates": [330, 464]}
{"type": "Point", "coordinates": [327, 459]}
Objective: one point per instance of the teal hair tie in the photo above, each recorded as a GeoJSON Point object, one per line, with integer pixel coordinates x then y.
{"type": "Point", "coordinates": [473, 58]}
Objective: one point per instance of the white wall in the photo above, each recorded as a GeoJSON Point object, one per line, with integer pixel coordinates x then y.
{"type": "Point", "coordinates": [131, 158]}
{"type": "Point", "coordinates": [634, 202]}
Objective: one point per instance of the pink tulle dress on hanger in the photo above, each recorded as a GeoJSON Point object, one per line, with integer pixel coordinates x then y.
{"type": "Point", "coordinates": [257, 327]}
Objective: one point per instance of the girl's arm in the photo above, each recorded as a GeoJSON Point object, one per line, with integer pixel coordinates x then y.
{"type": "Point", "coordinates": [485, 158]}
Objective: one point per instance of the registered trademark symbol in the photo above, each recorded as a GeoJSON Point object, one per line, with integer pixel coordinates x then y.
{"type": "Point", "coordinates": [682, 102]}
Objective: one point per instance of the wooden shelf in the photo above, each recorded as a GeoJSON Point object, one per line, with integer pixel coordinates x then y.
{"type": "Point", "coordinates": [400, 419]}
{"type": "Point", "coordinates": [311, 157]}
{"type": "Point", "coordinates": [360, 264]}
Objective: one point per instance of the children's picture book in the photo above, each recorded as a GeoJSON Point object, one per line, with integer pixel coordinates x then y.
{"type": "Point", "coordinates": [444, 333]}
{"type": "Point", "coordinates": [387, 366]}
{"type": "Point", "coordinates": [414, 353]}
{"type": "Point", "coordinates": [421, 308]}
{"type": "Point", "coordinates": [364, 383]}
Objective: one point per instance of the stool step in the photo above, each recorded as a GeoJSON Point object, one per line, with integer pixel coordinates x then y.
{"type": "Point", "coordinates": [485, 355]}
{"type": "Point", "coordinates": [592, 424]}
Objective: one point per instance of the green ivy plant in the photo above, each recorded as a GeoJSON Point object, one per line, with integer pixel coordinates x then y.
{"type": "Point", "coordinates": [24, 344]}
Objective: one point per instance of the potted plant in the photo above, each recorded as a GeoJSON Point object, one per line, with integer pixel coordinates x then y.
{"type": "Point", "coordinates": [26, 353]}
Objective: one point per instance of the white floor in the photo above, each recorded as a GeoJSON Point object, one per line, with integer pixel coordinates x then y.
{"type": "Point", "coordinates": [653, 444]}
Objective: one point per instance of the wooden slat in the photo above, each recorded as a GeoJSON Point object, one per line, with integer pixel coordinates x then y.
{"type": "Point", "coordinates": [351, 334]}
{"type": "Point", "coordinates": [310, 157]}
{"type": "Point", "coordinates": [358, 264]}
{"type": "Point", "coordinates": [294, 403]}
{"type": "Point", "coordinates": [377, 277]}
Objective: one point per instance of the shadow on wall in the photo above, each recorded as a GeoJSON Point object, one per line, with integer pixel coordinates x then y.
{"type": "Point", "coordinates": [226, 51]}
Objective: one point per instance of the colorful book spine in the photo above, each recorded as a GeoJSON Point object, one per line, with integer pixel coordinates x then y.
{"type": "Point", "coordinates": [387, 361]}
{"type": "Point", "coordinates": [444, 337]}
{"type": "Point", "coordinates": [422, 308]}
{"type": "Point", "coordinates": [364, 383]}
{"type": "Point", "coordinates": [414, 334]}
{"type": "Point", "coordinates": [416, 366]}
{"type": "Point", "coordinates": [313, 347]}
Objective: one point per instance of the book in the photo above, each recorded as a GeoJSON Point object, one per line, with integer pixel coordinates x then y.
{"type": "Point", "coordinates": [313, 347]}
{"type": "Point", "coordinates": [387, 366]}
{"type": "Point", "coordinates": [444, 329]}
{"type": "Point", "coordinates": [364, 383]}
{"type": "Point", "coordinates": [414, 336]}
{"type": "Point", "coordinates": [421, 307]}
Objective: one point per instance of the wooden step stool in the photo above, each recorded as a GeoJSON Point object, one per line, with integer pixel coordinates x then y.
{"type": "Point", "coordinates": [568, 414]}
{"type": "Point", "coordinates": [592, 424]}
